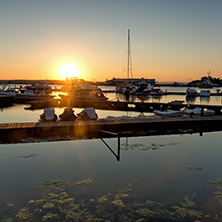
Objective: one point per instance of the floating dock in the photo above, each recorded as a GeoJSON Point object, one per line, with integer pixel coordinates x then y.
{"type": "Point", "coordinates": [118, 105]}
{"type": "Point", "coordinates": [103, 128]}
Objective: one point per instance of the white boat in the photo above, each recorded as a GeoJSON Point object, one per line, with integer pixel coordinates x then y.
{"type": "Point", "coordinates": [191, 92]}
{"type": "Point", "coordinates": [197, 112]}
{"type": "Point", "coordinates": [40, 86]}
{"type": "Point", "coordinates": [7, 90]}
{"type": "Point", "coordinates": [204, 93]}
{"type": "Point", "coordinates": [148, 89]}
{"type": "Point", "coordinates": [29, 95]}
{"type": "Point", "coordinates": [168, 113]}
{"type": "Point", "coordinates": [142, 85]}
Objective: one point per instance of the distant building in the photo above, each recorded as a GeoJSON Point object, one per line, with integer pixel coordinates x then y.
{"type": "Point", "coordinates": [118, 81]}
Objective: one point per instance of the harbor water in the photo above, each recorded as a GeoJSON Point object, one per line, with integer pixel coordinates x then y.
{"type": "Point", "coordinates": [158, 178]}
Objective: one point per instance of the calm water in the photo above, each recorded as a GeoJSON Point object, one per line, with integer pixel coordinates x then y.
{"type": "Point", "coordinates": [158, 178]}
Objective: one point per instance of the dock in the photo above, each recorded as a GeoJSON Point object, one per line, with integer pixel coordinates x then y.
{"type": "Point", "coordinates": [32, 132]}
{"type": "Point", "coordinates": [119, 105]}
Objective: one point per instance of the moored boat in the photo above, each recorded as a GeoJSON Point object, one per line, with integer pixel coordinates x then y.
{"type": "Point", "coordinates": [191, 92]}
{"type": "Point", "coordinates": [197, 111]}
{"type": "Point", "coordinates": [156, 91]}
{"type": "Point", "coordinates": [204, 93]}
{"type": "Point", "coordinates": [40, 86]}
{"type": "Point", "coordinates": [168, 113]}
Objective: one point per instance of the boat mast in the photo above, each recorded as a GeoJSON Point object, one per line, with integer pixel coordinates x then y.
{"type": "Point", "coordinates": [209, 74]}
{"type": "Point", "coordinates": [129, 61]}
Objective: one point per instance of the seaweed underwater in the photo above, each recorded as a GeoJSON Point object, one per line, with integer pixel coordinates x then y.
{"type": "Point", "coordinates": [55, 204]}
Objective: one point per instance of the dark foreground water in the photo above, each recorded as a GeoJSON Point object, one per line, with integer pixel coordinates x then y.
{"type": "Point", "coordinates": [158, 178]}
{"type": "Point", "coordinates": [161, 177]}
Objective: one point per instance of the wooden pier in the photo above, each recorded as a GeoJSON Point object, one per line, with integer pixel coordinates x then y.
{"type": "Point", "coordinates": [60, 130]}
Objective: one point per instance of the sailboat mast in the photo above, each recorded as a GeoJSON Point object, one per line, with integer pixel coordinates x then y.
{"type": "Point", "coordinates": [128, 60]}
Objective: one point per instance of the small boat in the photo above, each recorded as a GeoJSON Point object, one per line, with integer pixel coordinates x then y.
{"type": "Point", "coordinates": [204, 93]}
{"type": "Point", "coordinates": [68, 115]}
{"type": "Point", "coordinates": [191, 92]}
{"type": "Point", "coordinates": [88, 114]}
{"type": "Point", "coordinates": [156, 91]}
{"type": "Point", "coordinates": [48, 115]}
{"type": "Point", "coordinates": [197, 111]}
{"type": "Point", "coordinates": [168, 113]}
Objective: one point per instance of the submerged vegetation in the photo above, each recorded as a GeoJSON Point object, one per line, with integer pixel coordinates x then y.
{"type": "Point", "coordinates": [56, 204]}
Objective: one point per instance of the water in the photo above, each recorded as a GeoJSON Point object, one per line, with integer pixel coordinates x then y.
{"type": "Point", "coordinates": [168, 176]}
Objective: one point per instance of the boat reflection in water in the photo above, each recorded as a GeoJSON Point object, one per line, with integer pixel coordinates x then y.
{"type": "Point", "coordinates": [204, 100]}
{"type": "Point", "coordinates": [190, 99]}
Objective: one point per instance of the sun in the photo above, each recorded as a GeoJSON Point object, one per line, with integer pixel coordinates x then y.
{"type": "Point", "coordinates": [68, 71]}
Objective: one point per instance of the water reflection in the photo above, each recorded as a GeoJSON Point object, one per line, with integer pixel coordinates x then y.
{"type": "Point", "coordinates": [190, 99]}
{"type": "Point", "coordinates": [159, 178]}
{"type": "Point", "coordinates": [204, 100]}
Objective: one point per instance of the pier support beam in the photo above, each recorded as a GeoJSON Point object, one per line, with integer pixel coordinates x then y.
{"type": "Point", "coordinates": [118, 144]}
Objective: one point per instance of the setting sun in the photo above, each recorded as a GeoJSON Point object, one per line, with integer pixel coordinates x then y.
{"type": "Point", "coordinates": [68, 71]}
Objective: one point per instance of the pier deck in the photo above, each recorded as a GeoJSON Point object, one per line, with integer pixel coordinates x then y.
{"type": "Point", "coordinates": [57, 131]}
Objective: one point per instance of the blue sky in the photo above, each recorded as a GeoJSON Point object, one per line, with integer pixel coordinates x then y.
{"type": "Point", "coordinates": [171, 40]}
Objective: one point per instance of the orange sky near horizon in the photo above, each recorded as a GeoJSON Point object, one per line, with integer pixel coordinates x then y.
{"type": "Point", "coordinates": [170, 40]}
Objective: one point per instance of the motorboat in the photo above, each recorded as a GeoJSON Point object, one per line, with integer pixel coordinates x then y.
{"type": "Point", "coordinates": [204, 93]}
{"type": "Point", "coordinates": [85, 94]}
{"type": "Point", "coordinates": [30, 95]}
{"type": "Point", "coordinates": [7, 90]}
{"type": "Point", "coordinates": [156, 91]}
{"type": "Point", "coordinates": [40, 86]}
{"type": "Point", "coordinates": [191, 92]}
{"type": "Point", "coordinates": [148, 89]}
{"type": "Point", "coordinates": [142, 85]}
{"type": "Point", "coordinates": [74, 84]}
{"type": "Point", "coordinates": [197, 112]}
{"type": "Point", "coordinates": [168, 113]}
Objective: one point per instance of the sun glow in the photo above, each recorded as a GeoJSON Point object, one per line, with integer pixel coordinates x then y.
{"type": "Point", "coordinates": [68, 71]}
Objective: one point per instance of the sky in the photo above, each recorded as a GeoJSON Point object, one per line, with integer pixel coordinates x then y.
{"type": "Point", "coordinates": [171, 40]}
